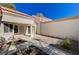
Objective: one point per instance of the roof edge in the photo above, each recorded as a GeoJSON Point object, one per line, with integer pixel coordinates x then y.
{"type": "Point", "coordinates": [14, 11]}
{"type": "Point", "coordinates": [62, 19]}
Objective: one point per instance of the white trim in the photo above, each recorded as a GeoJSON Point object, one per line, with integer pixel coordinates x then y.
{"type": "Point", "coordinates": [27, 30]}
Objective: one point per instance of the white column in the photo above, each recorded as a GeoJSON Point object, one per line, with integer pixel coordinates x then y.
{"type": "Point", "coordinates": [31, 31]}
{"type": "Point", "coordinates": [26, 30]}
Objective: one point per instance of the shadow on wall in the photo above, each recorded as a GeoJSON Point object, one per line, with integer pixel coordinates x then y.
{"type": "Point", "coordinates": [73, 37]}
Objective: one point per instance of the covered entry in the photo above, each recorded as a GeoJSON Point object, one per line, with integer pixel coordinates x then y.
{"type": "Point", "coordinates": [16, 29]}
{"type": "Point", "coordinates": [19, 29]}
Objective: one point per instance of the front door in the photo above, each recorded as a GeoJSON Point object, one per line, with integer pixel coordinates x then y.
{"type": "Point", "coordinates": [15, 29]}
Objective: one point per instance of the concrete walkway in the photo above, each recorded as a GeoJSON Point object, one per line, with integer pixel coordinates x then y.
{"type": "Point", "coordinates": [46, 39]}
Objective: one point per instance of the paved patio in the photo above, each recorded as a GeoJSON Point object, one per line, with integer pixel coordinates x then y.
{"type": "Point", "coordinates": [42, 42]}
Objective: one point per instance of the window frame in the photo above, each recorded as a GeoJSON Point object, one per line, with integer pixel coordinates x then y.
{"type": "Point", "coordinates": [29, 29]}
{"type": "Point", "coordinates": [11, 28]}
{"type": "Point", "coordinates": [7, 28]}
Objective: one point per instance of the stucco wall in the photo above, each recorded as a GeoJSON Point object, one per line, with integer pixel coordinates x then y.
{"type": "Point", "coordinates": [1, 29]}
{"type": "Point", "coordinates": [16, 19]}
{"type": "Point", "coordinates": [62, 29]}
{"type": "Point", "coordinates": [37, 21]}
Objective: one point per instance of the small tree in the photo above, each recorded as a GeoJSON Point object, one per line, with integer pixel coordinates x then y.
{"type": "Point", "coordinates": [40, 15]}
{"type": "Point", "coordinates": [67, 43]}
{"type": "Point", "coordinates": [8, 5]}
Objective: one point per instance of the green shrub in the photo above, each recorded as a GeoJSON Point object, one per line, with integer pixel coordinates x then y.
{"type": "Point", "coordinates": [67, 43]}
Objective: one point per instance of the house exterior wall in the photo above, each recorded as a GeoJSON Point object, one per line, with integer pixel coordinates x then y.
{"type": "Point", "coordinates": [38, 29]}
{"type": "Point", "coordinates": [1, 29]}
{"type": "Point", "coordinates": [38, 23]}
{"type": "Point", "coordinates": [61, 29]}
{"type": "Point", "coordinates": [16, 19]}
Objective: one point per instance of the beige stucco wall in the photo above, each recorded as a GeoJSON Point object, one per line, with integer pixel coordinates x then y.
{"type": "Point", "coordinates": [16, 19]}
{"type": "Point", "coordinates": [62, 29]}
{"type": "Point", "coordinates": [1, 29]}
{"type": "Point", "coordinates": [38, 28]}
{"type": "Point", "coordinates": [37, 22]}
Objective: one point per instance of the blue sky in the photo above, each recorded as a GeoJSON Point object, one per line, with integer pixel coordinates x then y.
{"type": "Point", "coordinates": [51, 10]}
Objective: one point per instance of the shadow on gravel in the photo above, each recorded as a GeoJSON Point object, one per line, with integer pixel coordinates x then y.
{"type": "Point", "coordinates": [74, 49]}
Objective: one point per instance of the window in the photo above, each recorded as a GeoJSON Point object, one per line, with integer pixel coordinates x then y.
{"type": "Point", "coordinates": [16, 29]}
{"type": "Point", "coordinates": [11, 27]}
{"type": "Point", "coordinates": [8, 27]}
{"type": "Point", "coordinates": [33, 29]}
{"type": "Point", "coordinates": [29, 29]}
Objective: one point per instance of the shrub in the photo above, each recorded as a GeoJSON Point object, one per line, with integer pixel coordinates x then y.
{"type": "Point", "coordinates": [67, 43]}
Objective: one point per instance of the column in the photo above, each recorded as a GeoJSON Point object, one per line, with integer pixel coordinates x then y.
{"type": "Point", "coordinates": [31, 31]}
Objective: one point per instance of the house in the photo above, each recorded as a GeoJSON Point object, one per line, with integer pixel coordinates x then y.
{"type": "Point", "coordinates": [14, 22]}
